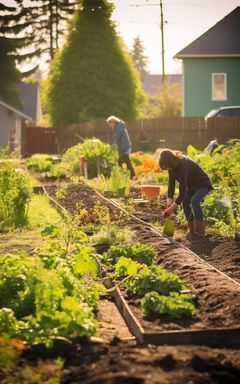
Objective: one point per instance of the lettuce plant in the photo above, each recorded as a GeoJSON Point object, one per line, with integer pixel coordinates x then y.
{"type": "Point", "coordinates": [175, 305]}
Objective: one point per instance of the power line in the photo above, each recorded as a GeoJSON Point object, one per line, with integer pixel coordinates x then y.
{"type": "Point", "coordinates": [175, 4]}
{"type": "Point", "coordinates": [162, 30]}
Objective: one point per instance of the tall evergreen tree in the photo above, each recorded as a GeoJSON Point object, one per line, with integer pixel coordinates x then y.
{"type": "Point", "coordinates": [9, 75]}
{"type": "Point", "coordinates": [41, 24]}
{"type": "Point", "coordinates": [93, 76]}
{"type": "Point", "coordinates": [139, 58]}
{"type": "Point", "coordinates": [10, 45]}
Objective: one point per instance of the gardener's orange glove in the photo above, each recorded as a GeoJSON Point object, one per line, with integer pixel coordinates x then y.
{"type": "Point", "coordinates": [169, 211]}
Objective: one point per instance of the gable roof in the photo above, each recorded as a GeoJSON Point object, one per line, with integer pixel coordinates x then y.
{"type": "Point", "coordinates": [15, 111]}
{"type": "Point", "coordinates": [222, 40]}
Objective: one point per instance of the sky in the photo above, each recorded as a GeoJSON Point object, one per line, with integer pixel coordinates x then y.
{"type": "Point", "coordinates": [184, 21]}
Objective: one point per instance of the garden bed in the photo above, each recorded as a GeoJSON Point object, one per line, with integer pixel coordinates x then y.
{"type": "Point", "coordinates": [128, 363]}
{"type": "Point", "coordinates": [217, 297]}
{"type": "Point", "coordinates": [117, 362]}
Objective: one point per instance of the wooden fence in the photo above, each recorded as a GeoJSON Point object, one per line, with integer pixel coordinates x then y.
{"type": "Point", "coordinates": [38, 140]}
{"type": "Point", "coordinates": [149, 134]}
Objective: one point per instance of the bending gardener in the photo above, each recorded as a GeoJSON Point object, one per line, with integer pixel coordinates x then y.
{"type": "Point", "coordinates": [122, 140]}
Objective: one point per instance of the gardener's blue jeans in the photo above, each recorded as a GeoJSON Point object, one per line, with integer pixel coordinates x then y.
{"type": "Point", "coordinates": [192, 204]}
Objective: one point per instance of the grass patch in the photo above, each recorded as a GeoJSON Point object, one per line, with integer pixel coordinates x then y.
{"type": "Point", "coordinates": [41, 213]}
{"type": "Point", "coordinates": [19, 240]}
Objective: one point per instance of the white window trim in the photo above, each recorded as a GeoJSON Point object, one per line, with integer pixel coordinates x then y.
{"type": "Point", "coordinates": [224, 98]}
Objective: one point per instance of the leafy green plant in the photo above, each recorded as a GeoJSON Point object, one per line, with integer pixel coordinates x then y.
{"type": "Point", "coordinates": [61, 191]}
{"type": "Point", "coordinates": [127, 267]}
{"type": "Point", "coordinates": [40, 163]}
{"type": "Point", "coordinates": [57, 171]}
{"type": "Point", "coordinates": [15, 193]}
{"type": "Point", "coordinates": [111, 234]}
{"type": "Point", "coordinates": [119, 181]}
{"type": "Point", "coordinates": [155, 279]}
{"type": "Point", "coordinates": [100, 157]}
{"type": "Point", "coordinates": [14, 287]}
{"type": "Point", "coordinates": [175, 305]}
{"type": "Point", "coordinates": [103, 214]}
{"type": "Point", "coordinates": [139, 252]}
{"type": "Point", "coordinates": [103, 230]}
{"type": "Point", "coordinates": [222, 208]}
{"type": "Point", "coordinates": [6, 154]}
{"type": "Point", "coordinates": [85, 263]}
{"type": "Point", "coordinates": [101, 183]}
{"type": "Point", "coordinates": [48, 294]}
{"type": "Point", "coordinates": [223, 164]}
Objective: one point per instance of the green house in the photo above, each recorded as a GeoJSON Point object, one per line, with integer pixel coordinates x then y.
{"type": "Point", "coordinates": [211, 68]}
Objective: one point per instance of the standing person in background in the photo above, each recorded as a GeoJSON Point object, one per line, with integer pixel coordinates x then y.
{"type": "Point", "coordinates": [194, 185]}
{"type": "Point", "coordinates": [122, 140]}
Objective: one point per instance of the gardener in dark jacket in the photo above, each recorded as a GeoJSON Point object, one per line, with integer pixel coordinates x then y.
{"type": "Point", "coordinates": [122, 141]}
{"type": "Point", "coordinates": [194, 185]}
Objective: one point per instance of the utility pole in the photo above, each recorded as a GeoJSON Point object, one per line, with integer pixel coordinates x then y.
{"type": "Point", "coordinates": [162, 32]}
{"type": "Point", "coordinates": [162, 40]}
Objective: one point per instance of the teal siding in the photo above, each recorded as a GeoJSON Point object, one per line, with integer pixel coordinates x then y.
{"type": "Point", "coordinates": [198, 84]}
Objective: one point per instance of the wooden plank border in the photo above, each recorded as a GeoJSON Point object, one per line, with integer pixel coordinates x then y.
{"type": "Point", "coordinates": [214, 337]}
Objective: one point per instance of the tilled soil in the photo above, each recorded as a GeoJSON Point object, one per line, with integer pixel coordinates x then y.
{"type": "Point", "coordinates": [128, 363]}
{"type": "Point", "coordinates": [217, 300]}
{"type": "Point", "coordinates": [221, 252]}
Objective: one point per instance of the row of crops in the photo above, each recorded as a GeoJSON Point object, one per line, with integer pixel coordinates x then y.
{"type": "Point", "coordinates": [53, 291]}
{"type": "Point", "coordinates": [221, 207]}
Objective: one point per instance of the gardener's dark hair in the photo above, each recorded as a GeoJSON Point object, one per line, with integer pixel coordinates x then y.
{"type": "Point", "coordinates": [169, 159]}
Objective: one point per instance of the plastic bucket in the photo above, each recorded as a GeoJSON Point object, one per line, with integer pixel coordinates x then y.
{"type": "Point", "coordinates": [151, 192]}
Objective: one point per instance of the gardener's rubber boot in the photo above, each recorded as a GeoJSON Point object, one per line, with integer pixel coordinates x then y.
{"type": "Point", "coordinates": [199, 228]}
{"type": "Point", "coordinates": [191, 227]}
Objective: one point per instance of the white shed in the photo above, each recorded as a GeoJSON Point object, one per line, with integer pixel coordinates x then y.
{"type": "Point", "coordinates": [12, 122]}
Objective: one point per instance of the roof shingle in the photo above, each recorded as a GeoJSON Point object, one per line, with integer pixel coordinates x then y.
{"type": "Point", "coordinates": [223, 39]}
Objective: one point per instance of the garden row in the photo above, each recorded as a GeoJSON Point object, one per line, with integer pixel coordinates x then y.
{"type": "Point", "coordinates": [51, 290]}
{"type": "Point", "coordinates": [212, 291]}
{"type": "Point", "coordinates": [221, 207]}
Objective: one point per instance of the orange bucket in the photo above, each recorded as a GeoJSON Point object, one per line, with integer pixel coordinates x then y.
{"type": "Point", "coordinates": [151, 192]}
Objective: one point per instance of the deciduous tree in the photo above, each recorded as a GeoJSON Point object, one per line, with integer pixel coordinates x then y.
{"type": "Point", "coordinates": [166, 102]}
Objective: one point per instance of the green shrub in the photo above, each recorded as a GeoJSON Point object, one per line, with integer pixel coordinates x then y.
{"type": "Point", "coordinates": [40, 163]}
{"type": "Point", "coordinates": [100, 157]}
{"type": "Point", "coordinates": [15, 193]}
{"type": "Point", "coordinates": [119, 181]}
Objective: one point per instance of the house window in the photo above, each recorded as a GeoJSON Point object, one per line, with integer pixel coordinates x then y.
{"type": "Point", "coordinates": [219, 86]}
